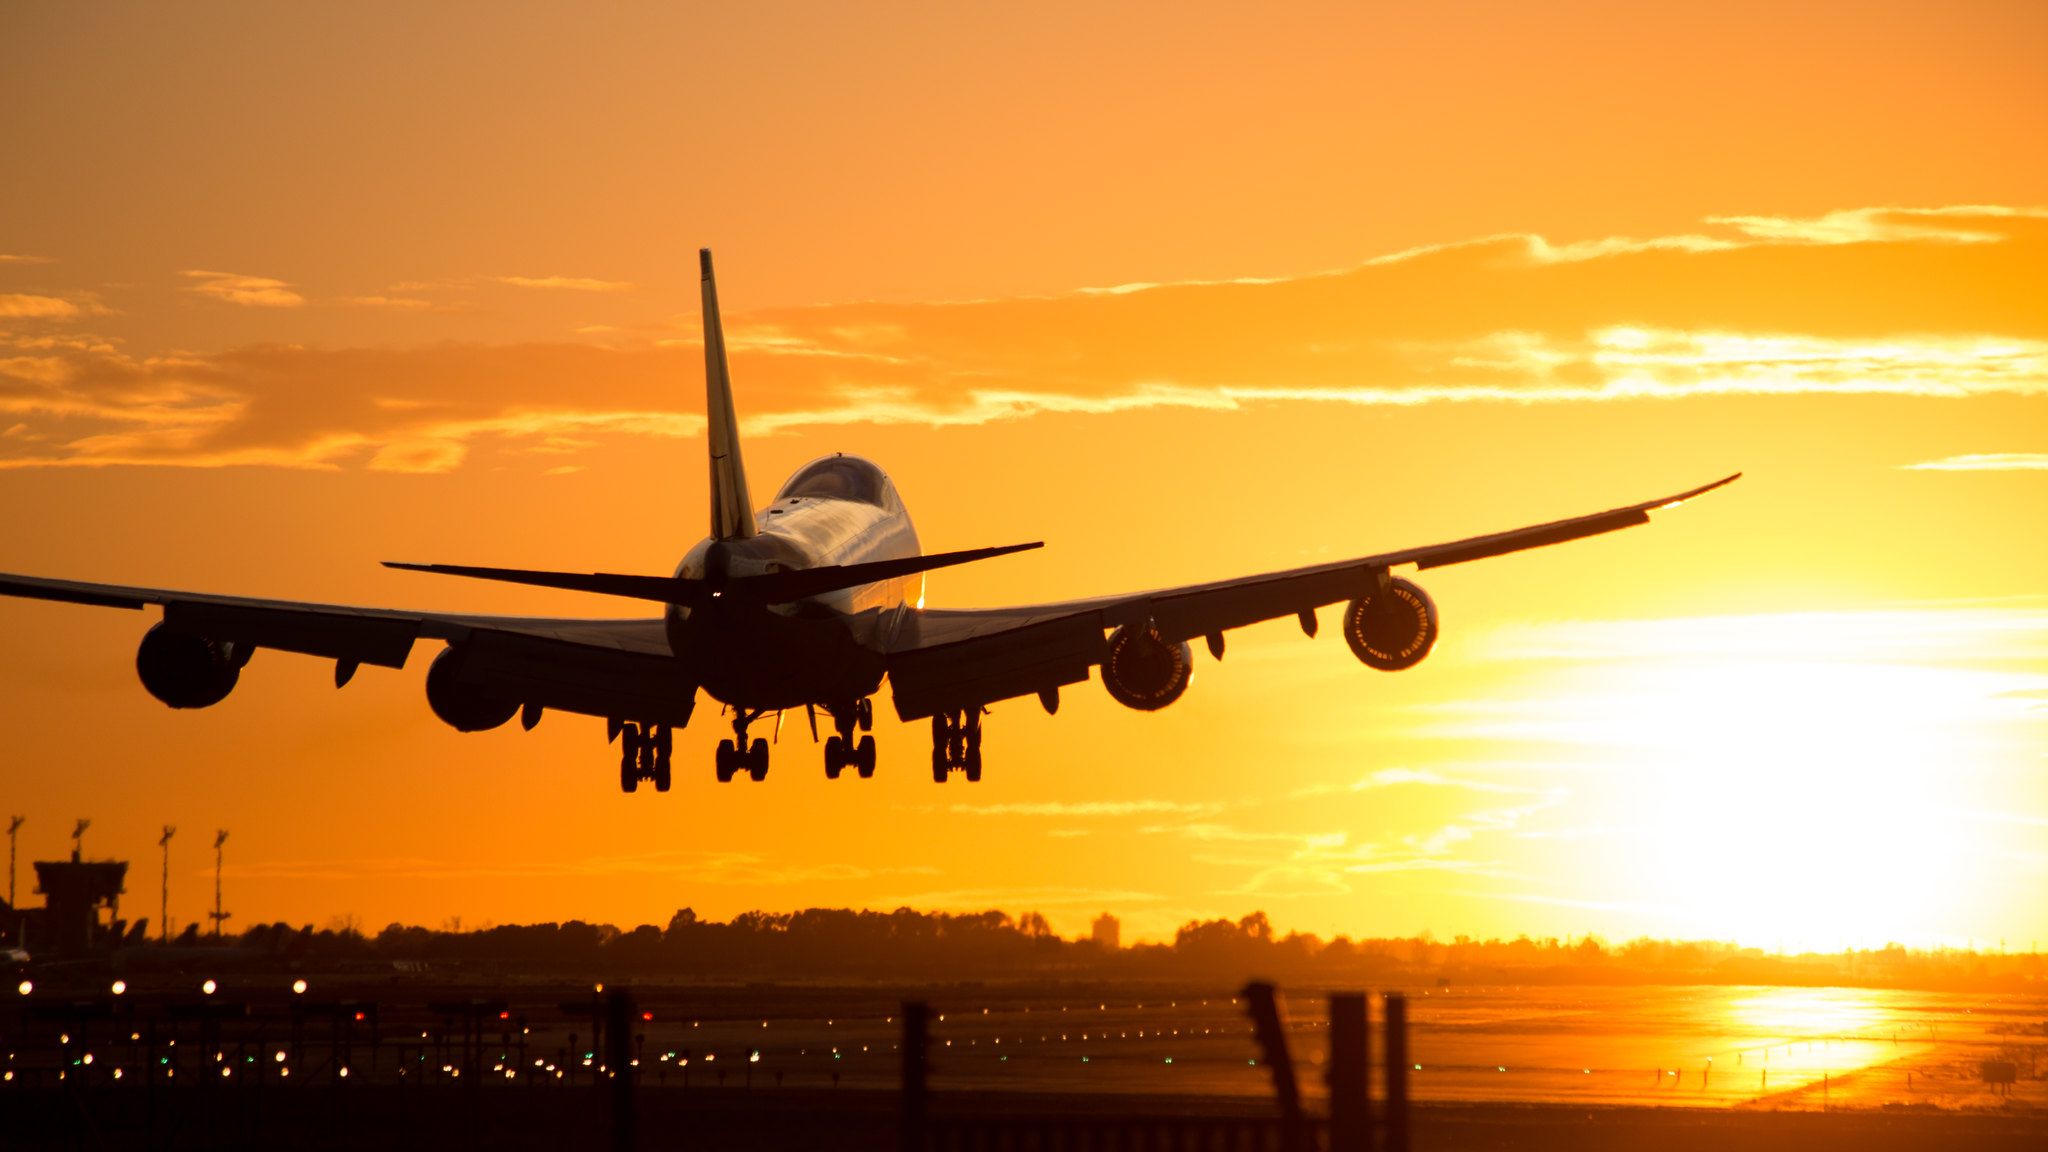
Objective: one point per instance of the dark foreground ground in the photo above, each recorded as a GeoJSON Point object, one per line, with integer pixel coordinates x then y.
{"type": "Point", "coordinates": [396, 1119]}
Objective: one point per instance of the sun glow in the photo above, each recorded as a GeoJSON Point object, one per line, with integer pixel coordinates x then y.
{"type": "Point", "coordinates": [1796, 782]}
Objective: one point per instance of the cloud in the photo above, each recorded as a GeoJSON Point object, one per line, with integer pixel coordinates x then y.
{"type": "Point", "coordinates": [982, 899]}
{"type": "Point", "coordinates": [1085, 808]}
{"type": "Point", "coordinates": [247, 291]}
{"type": "Point", "coordinates": [565, 283]}
{"type": "Point", "coordinates": [1985, 462]}
{"type": "Point", "coordinates": [20, 306]}
{"type": "Point", "coordinates": [1898, 302]}
{"type": "Point", "coordinates": [394, 303]}
{"type": "Point", "coordinates": [11, 258]}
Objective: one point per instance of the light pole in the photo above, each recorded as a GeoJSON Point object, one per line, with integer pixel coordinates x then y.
{"type": "Point", "coordinates": [164, 922]}
{"type": "Point", "coordinates": [13, 829]}
{"type": "Point", "coordinates": [220, 837]}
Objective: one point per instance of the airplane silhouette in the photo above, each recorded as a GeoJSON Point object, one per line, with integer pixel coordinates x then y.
{"type": "Point", "coordinates": [807, 603]}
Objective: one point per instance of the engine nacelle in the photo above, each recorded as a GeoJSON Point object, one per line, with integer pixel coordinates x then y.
{"type": "Point", "coordinates": [1145, 672]}
{"type": "Point", "coordinates": [188, 671]}
{"type": "Point", "coordinates": [463, 707]}
{"type": "Point", "coordinates": [1391, 631]}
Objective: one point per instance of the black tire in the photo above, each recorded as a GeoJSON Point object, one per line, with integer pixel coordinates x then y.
{"type": "Point", "coordinates": [757, 759]}
{"type": "Point", "coordinates": [939, 765]}
{"type": "Point", "coordinates": [629, 777]}
{"type": "Point", "coordinates": [835, 757]}
{"type": "Point", "coordinates": [727, 761]}
{"type": "Point", "coordinates": [661, 772]}
{"type": "Point", "coordinates": [973, 765]}
{"type": "Point", "coordinates": [864, 757]}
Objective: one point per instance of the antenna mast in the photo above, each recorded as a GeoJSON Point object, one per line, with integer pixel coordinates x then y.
{"type": "Point", "coordinates": [78, 838]}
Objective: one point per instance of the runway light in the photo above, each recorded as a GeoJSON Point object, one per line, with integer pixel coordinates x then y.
{"type": "Point", "coordinates": [117, 1073]}
{"type": "Point", "coordinates": [226, 1071]}
{"type": "Point", "coordinates": [280, 1057]}
{"type": "Point", "coordinates": [208, 987]}
{"type": "Point", "coordinates": [754, 1057]}
{"type": "Point", "coordinates": [298, 987]}
{"type": "Point", "coordinates": [88, 1057]}
{"type": "Point", "coordinates": [25, 987]}
{"type": "Point", "coordinates": [344, 1073]}
{"type": "Point", "coordinates": [119, 987]}
{"type": "Point", "coordinates": [599, 988]}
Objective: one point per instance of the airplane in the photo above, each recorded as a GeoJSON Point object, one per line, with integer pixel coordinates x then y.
{"type": "Point", "coordinates": [807, 603]}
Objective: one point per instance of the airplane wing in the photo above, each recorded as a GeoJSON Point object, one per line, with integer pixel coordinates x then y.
{"type": "Point", "coordinates": [954, 660]}
{"type": "Point", "coordinates": [610, 668]}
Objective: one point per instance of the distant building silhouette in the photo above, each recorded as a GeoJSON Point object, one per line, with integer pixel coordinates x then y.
{"type": "Point", "coordinates": [1107, 931]}
{"type": "Point", "coordinates": [74, 893]}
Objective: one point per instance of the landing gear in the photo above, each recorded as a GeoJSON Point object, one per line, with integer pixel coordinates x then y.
{"type": "Point", "coordinates": [956, 745]}
{"type": "Point", "coordinates": [842, 751]}
{"type": "Point", "coordinates": [644, 751]}
{"type": "Point", "coordinates": [736, 755]}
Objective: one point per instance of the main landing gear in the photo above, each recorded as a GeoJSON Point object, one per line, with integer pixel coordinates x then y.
{"type": "Point", "coordinates": [841, 752]}
{"type": "Point", "coordinates": [736, 755]}
{"type": "Point", "coordinates": [956, 744]}
{"type": "Point", "coordinates": [643, 755]}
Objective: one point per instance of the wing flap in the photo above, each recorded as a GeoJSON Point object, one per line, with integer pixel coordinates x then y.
{"type": "Point", "coordinates": [1019, 662]}
{"type": "Point", "coordinates": [570, 677]}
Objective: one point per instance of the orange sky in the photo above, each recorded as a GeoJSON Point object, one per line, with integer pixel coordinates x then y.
{"type": "Point", "coordinates": [1187, 294]}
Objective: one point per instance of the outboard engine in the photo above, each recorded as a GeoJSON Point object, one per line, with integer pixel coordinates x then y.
{"type": "Point", "coordinates": [188, 671]}
{"type": "Point", "coordinates": [1145, 672]}
{"type": "Point", "coordinates": [463, 707]}
{"type": "Point", "coordinates": [1391, 630]}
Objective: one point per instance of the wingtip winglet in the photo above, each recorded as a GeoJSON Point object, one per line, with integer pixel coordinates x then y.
{"type": "Point", "coordinates": [1702, 490]}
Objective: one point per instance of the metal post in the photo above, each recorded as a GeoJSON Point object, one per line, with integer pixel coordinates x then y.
{"type": "Point", "coordinates": [1350, 1094]}
{"type": "Point", "coordinates": [1272, 1037]}
{"type": "Point", "coordinates": [916, 1038]}
{"type": "Point", "coordinates": [1396, 1056]}
{"type": "Point", "coordinates": [618, 1059]}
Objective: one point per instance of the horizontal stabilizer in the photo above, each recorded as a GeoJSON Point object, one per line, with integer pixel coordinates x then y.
{"type": "Point", "coordinates": [768, 588]}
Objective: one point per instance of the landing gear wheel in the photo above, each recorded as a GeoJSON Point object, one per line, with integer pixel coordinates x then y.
{"type": "Point", "coordinates": [728, 761]}
{"type": "Point", "coordinates": [973, 766]}
{"type": "Point", "coordinates": [629, 778]}
{"type": "Point", "coordinates": [629, 760]}
{"type": "Point", "coordinates": [661, 770]}
{"type": "Point", "coordinates": [757, 759]}
{"type": "Point", "coordinates": [864, 757]}
{"type": "Point", "coordinates": [939, 765]}
{"type": "Point", "coordinates": [835, 757]}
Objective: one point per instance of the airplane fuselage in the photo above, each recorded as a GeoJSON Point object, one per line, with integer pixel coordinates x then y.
{"type": "Point", "coordinates": [820, 650]}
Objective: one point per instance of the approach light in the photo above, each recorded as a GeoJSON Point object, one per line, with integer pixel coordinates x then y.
{"type": "Point", "coordinates": [754, 1057]}
{"type": "Point", "coordinates": [298, 987]}
{"type": "Point", "coordinates": [25, 987]}
{"type": "Point", "coordinates": [119, 986]}
{"type": "Point", "coordinates": [280, 1057]}
{"type": "Point", "coordinates": [208, 987]}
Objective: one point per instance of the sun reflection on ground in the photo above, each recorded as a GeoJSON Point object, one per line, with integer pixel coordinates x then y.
{"type": "Point", "coordinates": [1806, 1012]}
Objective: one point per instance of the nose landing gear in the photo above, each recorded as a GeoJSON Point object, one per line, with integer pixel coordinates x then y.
{"type": "Point", "coordinates": [736, 755]}
{"type": "Point", "coordinates": [956, 745]}
{"type": "Point", "coordinates": [644, 751]}
{"type": "Point", "coordinates": [842, 751]}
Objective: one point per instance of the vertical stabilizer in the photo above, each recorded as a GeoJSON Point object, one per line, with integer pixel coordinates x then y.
{"type": "Point", "coordinates": [732, 511]}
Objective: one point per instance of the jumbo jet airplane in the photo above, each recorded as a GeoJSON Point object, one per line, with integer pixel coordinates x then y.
{"type": "Point", "coordinates": [807, 603]}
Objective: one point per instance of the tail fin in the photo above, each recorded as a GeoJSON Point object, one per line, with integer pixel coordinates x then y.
{"type": "Point", "coordinates": [732, 511]}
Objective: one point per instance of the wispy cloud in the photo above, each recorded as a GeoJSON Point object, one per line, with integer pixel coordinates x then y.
{"type": "Point", "coordinates": [565, 283]}
{"type": "Point", "coordinates": [16, 258]}
{"type": "Point", "coordinates": [22, 306]}
{"type": "Point", "coordinates": [392, 303]}
{"type": "Point", "coordinates": [982, 899]}
{"type": "Point", "coordinates": [1985, 462]}
{"type": "Point", "coordinates": [247, 291]}
{"type": "Point", "coordinates": [1082, 808]}
{"type": "Point", "coordinates": [1891, 302]}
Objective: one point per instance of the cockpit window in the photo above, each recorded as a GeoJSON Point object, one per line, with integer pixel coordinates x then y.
{"type": "Point", "coordinates": [838, 478]}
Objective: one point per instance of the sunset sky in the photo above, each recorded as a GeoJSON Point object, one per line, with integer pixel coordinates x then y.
{"type": "Point", "coordinates": [1187, 291]}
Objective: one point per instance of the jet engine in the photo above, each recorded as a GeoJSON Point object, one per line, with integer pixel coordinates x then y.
{"type": "Point", "coordinates": [188, 671]}
{"type": "Point", "coordinates": [1391, 630]}
{"type": "Point", "coordinates": [1145, 672]}
{"type": "Point", "coordinates": [463, 707]}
